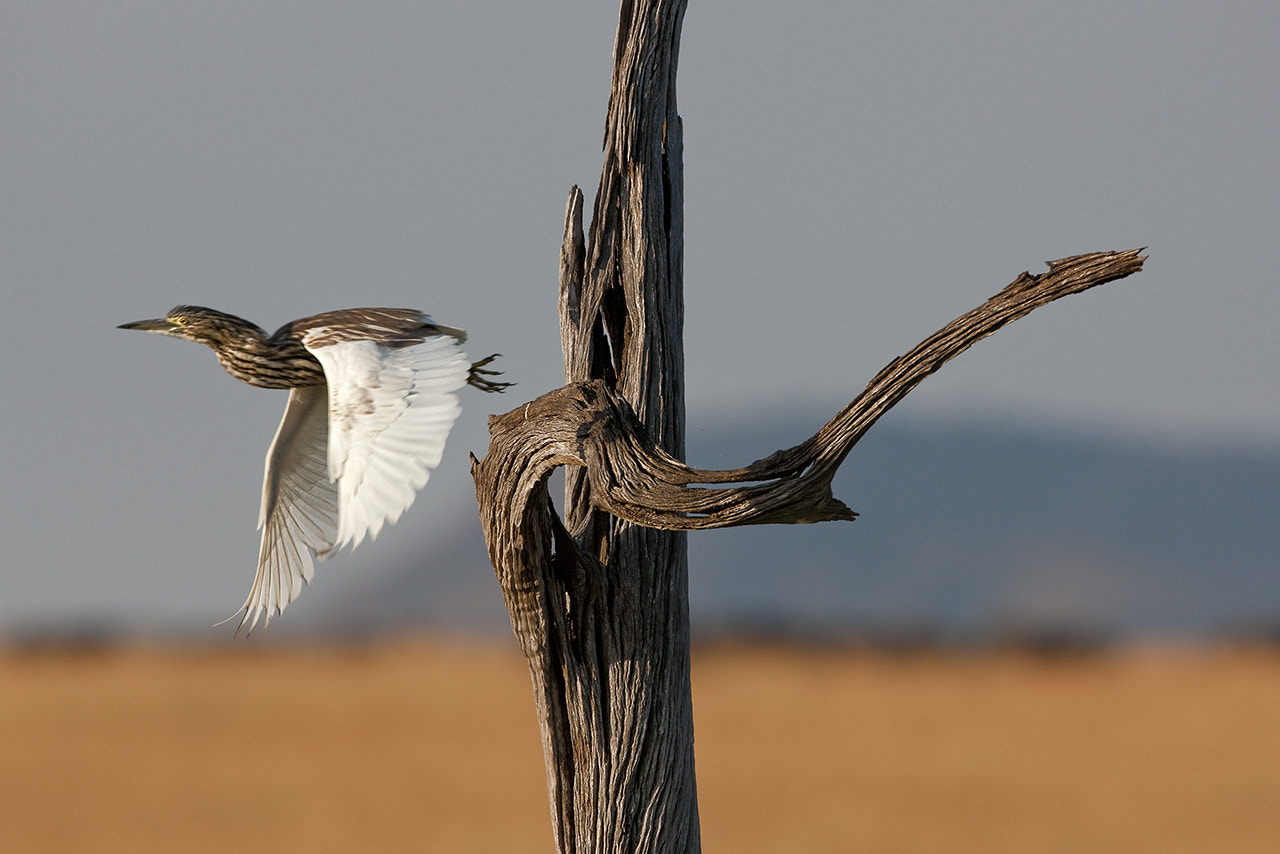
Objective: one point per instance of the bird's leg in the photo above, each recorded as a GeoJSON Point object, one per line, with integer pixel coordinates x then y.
{"type": "Point", "coordinates": [478, 375]}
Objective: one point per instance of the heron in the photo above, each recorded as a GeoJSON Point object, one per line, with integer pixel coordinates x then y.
{"type": "Point", "coordinates": [371, 402]}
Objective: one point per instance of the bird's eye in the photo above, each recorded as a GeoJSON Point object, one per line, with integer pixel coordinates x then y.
{"type": "Point", "coordinates": [180, 320]}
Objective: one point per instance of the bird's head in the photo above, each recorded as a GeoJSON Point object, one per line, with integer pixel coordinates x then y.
{"type": "Point", "coordinates": [199, 324]}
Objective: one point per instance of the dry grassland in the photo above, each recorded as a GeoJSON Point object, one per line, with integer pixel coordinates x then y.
{"type": "Point", "coordinates": [417, 746]}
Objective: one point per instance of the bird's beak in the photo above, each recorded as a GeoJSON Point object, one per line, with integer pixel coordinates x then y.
{"type": "Point", "coordinates": [158, 325]}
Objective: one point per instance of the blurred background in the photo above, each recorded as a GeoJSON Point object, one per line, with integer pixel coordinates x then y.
{"type": "Point", "coordinates": [1106, 470]}
{"type": "Point", "coordinates": [857, 175]}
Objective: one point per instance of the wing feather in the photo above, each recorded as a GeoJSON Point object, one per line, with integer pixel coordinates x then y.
{"type": "Point", "coordinates": [390, 411]}
{"type": "Point", "coordinates": [300, 506]}
{"type": "Point", "coordinates": [350, 457]}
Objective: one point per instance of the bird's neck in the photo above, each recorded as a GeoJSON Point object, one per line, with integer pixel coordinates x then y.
{"type": "Point", "coordinates": [269, 362]}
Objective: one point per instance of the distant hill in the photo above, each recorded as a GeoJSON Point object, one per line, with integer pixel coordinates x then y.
{"type": "Point", "coordinates": [964, 534]}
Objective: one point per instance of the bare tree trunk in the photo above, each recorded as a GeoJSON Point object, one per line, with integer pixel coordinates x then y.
{"type": "Point", "coordinates": [599, 602]}
{"type": "Point", "coordinates": [608, 640]}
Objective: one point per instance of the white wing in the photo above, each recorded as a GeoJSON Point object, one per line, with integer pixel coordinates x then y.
{"type": "Point", "coordinates": [299, 513]}
{"type": "Point", "coordinates": [390, 411]}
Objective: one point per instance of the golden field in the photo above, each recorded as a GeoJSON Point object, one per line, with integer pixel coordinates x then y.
{"type": "Point", "coordinates": [428, 746]}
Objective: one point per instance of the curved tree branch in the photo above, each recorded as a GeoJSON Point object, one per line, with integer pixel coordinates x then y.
{"type": "Point", "coordinates": [588, 426]}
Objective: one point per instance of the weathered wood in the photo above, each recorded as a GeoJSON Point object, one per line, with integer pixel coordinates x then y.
{"type": "Point", "coordinates": [570, 608]}
{"type": "Point", "coordinates": [599, 601]}
{"type": "Point", "coordinates": [608, 650]}
{"type": "Point", "coordinates": [589, 427]}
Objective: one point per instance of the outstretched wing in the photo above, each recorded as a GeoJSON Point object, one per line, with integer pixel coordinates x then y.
{"type": "Point", "coordinates": [391, 406]}
{"type": "Point", "coordinates": [300, 504]}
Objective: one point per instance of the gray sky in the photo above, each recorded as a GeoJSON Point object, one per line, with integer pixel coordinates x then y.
{"type": "Point", "coordinates": [856, 176]}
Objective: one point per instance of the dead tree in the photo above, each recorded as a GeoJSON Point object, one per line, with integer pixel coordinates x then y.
{"type": "Point", "coordinates": [599, 600]}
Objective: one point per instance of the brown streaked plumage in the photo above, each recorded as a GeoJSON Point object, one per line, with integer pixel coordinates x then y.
{"type": "Point", "coordinates": [371, 403]}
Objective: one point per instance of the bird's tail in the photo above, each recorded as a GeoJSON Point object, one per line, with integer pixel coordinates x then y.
{"type": "Point", "coordinates": [452, 331]}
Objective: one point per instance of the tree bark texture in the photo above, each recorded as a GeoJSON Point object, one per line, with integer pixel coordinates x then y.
{"type": "Point", "coordinates": [605, 648]}
{"type": "Point", "coordinates": [600, 604]}
{"type": "Point", "coordinates": [599, 600]}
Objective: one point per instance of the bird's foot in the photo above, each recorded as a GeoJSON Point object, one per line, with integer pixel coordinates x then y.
{"type": "Point", "coordinates": [478, 376]}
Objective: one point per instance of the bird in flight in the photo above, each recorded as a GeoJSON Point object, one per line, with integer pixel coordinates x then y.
{"type": "Point", "coordinates": [371, 402]}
